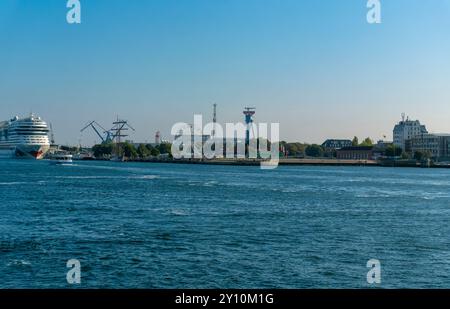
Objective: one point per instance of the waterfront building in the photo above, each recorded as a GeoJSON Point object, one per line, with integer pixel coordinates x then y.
{"type": "Point", "coordinates": [437, 145]}
{"type": "Point", "coordinates": [333, 144]}
{"type": "Point", "coordinates": [355, 153]}
{"type": "Point", "coordinates": [406, 130]}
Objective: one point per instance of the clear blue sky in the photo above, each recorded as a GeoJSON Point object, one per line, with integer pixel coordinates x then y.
{"type": "Point", "coordinates": [315, 66]}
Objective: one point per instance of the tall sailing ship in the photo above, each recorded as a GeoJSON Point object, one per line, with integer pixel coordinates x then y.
{"type": "Point", "coordinates": [24, 137]}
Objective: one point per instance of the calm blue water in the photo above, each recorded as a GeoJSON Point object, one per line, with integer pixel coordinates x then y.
{"type": "Point", "coordinates": [191, 226]}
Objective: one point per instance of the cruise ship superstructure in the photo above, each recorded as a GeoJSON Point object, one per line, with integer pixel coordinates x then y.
{"type": "Point", "coordinates": [24, 137]}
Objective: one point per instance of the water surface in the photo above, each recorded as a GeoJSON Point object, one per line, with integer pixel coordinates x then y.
{"type": "Point", "coordinates": [137, 225]}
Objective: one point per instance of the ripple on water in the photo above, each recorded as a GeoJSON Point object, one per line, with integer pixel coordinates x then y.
{"type": "Point", "coordinates": [175, 226]}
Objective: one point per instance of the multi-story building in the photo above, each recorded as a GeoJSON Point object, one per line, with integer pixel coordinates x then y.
{"type": "Point", "coordinates": [406, 130]}
{"type": "Point", "coordinates": [437, 145]}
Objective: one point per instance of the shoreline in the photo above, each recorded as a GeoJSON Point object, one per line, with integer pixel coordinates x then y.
{"type": "Point", "coordinates": [288, 162]}
{"type": "Point", "coordinates": [256, 162]}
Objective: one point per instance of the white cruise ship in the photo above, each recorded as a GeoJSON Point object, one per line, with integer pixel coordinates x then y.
{"type": "Point", "coordinates": [24, 138]}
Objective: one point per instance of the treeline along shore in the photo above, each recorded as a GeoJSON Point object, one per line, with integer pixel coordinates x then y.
{"type": "Point", "coordinates": [309, 155]}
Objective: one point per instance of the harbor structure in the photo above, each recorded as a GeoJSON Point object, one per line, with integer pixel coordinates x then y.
{"type": "Point", "coordinates": [249, 112]}
{"type": "Point", "coordinates": [407, 129]}
{"type": "Point", "coordinates": [105, 136]}
{"type": "Point", "coordinates": [158, 138]}
{"type": "Point", "coordinates": [213, 135]}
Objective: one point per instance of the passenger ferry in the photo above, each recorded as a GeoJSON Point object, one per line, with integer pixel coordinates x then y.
{"type": "Point", "coordinates": [61, 159]}
{"type": "Point", "coordinates": [24, 138]}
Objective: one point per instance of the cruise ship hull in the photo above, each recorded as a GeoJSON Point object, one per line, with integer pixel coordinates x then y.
{"type": "Point", "coordinates": [25, 152]}
{"type": "Point", "coordinates": [31, 151]}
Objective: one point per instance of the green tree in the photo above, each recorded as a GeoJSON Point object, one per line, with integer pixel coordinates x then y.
{"type": "Point", "coordinates": [102, 150]}
{"type": "Point", "coordinates": [164, 148]}
{"type": "Point", "coordinates": [295, 149]}
{"type": "Point", "coordinates": [355, 141]}
{"type": "Point", "coordinates": [142, 151]}
{"type": "Point", "coordinates": [405, 156]}
{"type": "Point", "coordinates": [129, 150]}
{"type": "Point", "coordinates": [393, 151]}
{"type": "Point", "coordinates": [155, 152]}
{"type": "Point", "coordinates": [314, 151]}
{"type": "Point", "coordinates": [422, 155]}
{"type": "Point", "coordinates": [292, 149]}
{"type": "Point", "coordinates": [367, 142]}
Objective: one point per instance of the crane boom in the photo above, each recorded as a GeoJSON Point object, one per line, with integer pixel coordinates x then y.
{"type": "Point", "coordinates": [91, 124]}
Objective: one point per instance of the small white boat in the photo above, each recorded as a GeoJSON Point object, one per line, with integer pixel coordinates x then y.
{"type": "Point", "coordinates": [61, 159]}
